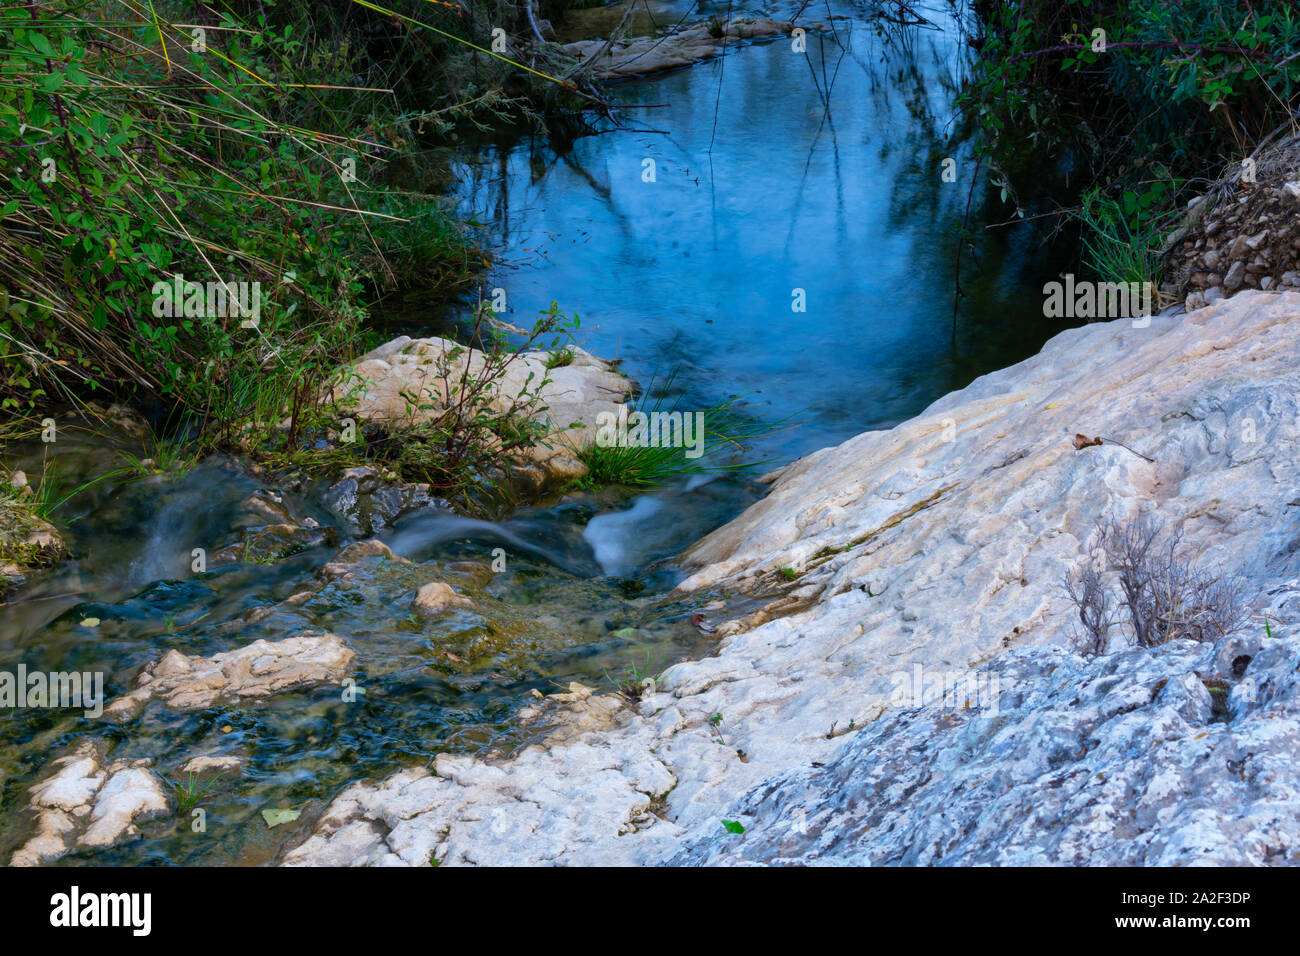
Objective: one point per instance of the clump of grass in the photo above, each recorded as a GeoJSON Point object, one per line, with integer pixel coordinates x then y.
{"type": "Point", "coordinates": [635, 682]}
{"type": "Point", "coordinates": [560, 358]}
{"type": "Point", "coordinates": [1119, 247]}
{"type": "Point", "coordinates": [52, 489]}
{"type": "Point", "coordinates": [725, 430]}
{"type": "Point", "coordinates": [163, 456]}
{"type": "Point", "coordinates": [191, 792]}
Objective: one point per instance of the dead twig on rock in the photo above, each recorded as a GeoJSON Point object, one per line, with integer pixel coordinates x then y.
{"type": "Point", "coordinates": [1081, 442]}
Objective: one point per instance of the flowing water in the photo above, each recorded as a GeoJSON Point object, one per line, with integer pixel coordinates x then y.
{"type": "Point", "coordinates": [779, 178]}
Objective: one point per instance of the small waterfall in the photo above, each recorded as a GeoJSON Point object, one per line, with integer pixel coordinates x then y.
{"type": "Point", "coordinates": [416, 537]}
{"type": "Point", "coordinates": [617, 541]}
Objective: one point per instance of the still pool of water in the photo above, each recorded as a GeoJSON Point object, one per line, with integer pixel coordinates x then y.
{"type": "Point", "coordinates": [796, 244]}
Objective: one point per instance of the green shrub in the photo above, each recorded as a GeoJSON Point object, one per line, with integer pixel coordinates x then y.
{"type": "Point", "coordinates": [1181, 92]}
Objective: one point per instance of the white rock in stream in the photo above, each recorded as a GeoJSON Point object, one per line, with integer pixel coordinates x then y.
{"type": "Point", "coordinates": [221, 763]}
{"type": "Point", "coordinates": [941, 544]}
{"type": "Point", "coordinates": [260, 669]}
{"type": "Point", "coordinates": [398, 378]}
{"type": "Point", "coordinates": [88, 803]}
{"type": "Point", "coordinates": [436, 597]}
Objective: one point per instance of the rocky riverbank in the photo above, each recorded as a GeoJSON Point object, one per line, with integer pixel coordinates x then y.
{"type": "Point", "coordinates": [1243, 234]}
{"type": "Point", "coordinates": [941, 547]}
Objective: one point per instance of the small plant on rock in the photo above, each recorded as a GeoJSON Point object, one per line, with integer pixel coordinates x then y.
{"type": "Point", "coordinates": [635, 683]}
{"type": "Point", "coordinates": [191, 791]}
{"type": "Point", "coordinates": [560, 358]}
{"type": "Point", "coordinates": [1162, 595]}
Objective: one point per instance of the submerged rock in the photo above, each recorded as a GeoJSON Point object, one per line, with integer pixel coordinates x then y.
{"type": "Point", "coordinates": [258, 670]}
{"type": "Point", "coordinates": [436, 597]}
{"type": "Point", "coordinates": [476, 572]}
{"type": "Point", "coordinates": [266, 507]}
{"type": "Point", "coordinates": [89, 803]}
{"type": "Point", "coordinates": [343, 566]}
{"type": "Point", "coordinates": [941, 544]}
{"type": "Point", "coordinates": [221, 763]}
{"type": "Point", "coordinates": [275, 542]}
{"type": "Point", "coordinates": [367, 504]}
{"type": "Point", "coordinates": [272, 530]}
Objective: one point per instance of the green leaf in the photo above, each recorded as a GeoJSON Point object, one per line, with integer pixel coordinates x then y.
{"type": "Point", "coordinates": [733, 826]}
{"type": "Point", "coordinates": [274, 818]}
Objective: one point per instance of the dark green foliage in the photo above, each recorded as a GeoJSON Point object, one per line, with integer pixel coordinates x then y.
{"type": "Point", "coordinates": [1181, 94]}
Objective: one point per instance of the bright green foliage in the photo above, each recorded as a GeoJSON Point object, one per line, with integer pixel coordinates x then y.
{"type": "Point", "coordinates": [141, 151]}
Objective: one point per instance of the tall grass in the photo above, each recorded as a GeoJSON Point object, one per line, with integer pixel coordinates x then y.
{"type": "Point", "coordinates": [727, 427]}
{"type": "Point", "coordinates": [148, 145]}
{"type": "Point", "coordinates": [1119, 247]}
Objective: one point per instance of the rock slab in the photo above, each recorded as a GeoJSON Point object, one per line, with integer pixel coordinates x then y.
{"type": "Point", "coordinates": [258, 670]}
{"type": "Point", "coordinates": [942, 544]}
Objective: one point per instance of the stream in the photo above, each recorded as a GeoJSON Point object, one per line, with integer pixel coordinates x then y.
{"type": "Point", "coordinates": [773, 172]}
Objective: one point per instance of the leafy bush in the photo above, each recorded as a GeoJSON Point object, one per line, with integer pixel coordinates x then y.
{"type": "Point", "coordinates": [1180, 92]}
{"type": "Point", "coordinates": [244, 153]}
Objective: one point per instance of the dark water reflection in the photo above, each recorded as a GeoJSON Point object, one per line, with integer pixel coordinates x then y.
{"type": "Point", "coordinates": [775, 172]}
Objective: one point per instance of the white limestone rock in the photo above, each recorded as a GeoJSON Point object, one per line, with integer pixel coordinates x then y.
{"type": "Point", "coordinates": [394, 383]}
{"type": "Point", "coordinates": [942, 544]}
{"type": "Point", "coordinates": [89, 802]}
{"type": "Point", "coordinates": [258, 670]}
